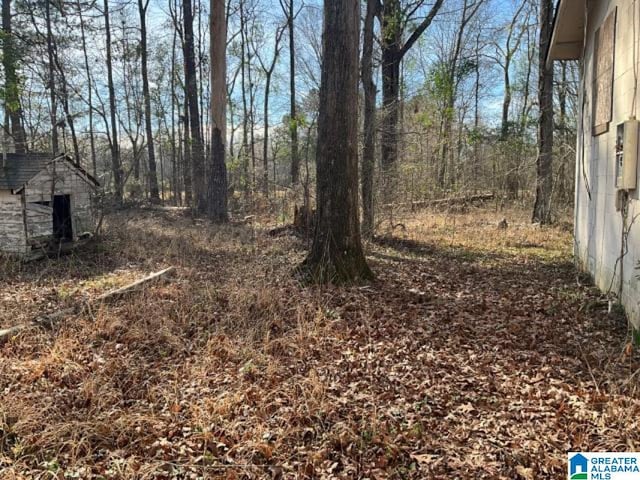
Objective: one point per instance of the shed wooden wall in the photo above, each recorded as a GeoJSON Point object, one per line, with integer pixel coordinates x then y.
{"type": "Point", "coordinates": [58, 178]}
{"type": "Point", "coordinates": [12, 234]}
{"type": "Point", "coordinates": [26, 219]}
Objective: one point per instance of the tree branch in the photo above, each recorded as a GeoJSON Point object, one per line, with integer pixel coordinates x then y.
{"type": "Point", "coordinates": [421, 28]}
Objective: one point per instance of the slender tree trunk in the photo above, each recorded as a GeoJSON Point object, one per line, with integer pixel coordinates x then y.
{"type": "Point", "coordinates": [197, 146]}
{"type": "Point", "coordinates": [391, 59]}
{"type": "Point", "coordinates": [544, 165]}
{"type": "Point", "coordinates": [369, 146]}
{"type": "Point", "coordinates": [12, 106]}
{"type": "Point", "coordinates": [452, 93]}
{"type": "Point", "coordinates": [245, 108]}
{"type": "Point", "coordinates": [53, 113]}
{"type": "Point", "coordinates": [265, 139]}
{"type": "Point", "coordinates": [293, 116]}
{"type": "Point", "coordinates": [217, 191]}
{"type": "Point", "coordinates": [268, 73]}
{"type": "Point", "coordinates": [527, 81]}
{"type": "Point", "coordinates": [153, 177]}
{"type": "Point", "coordinates": [562, 130]}
{"type": "Point", "coordinates": [393, 51]}
{"type": "Point", "coordinates": [187, 169]}
{"type": "Point", "coordinates": [177, 195]}
{"type": "Point", "coordinates": [64, 93]}
{"type": "Point", "coordinates": [336, 253]}
{"type": "Point", "coordinates": [476, 114]}
{"type": "Point", "coordinates": [92, 142]}
{"type": "Point", "coordinates": [506, 102]}
{"type": "Point", "coordinates": [116, 165]}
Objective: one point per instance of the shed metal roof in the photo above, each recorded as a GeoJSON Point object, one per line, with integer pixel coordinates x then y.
{"type": "Point", "coordinates": [19, 168]}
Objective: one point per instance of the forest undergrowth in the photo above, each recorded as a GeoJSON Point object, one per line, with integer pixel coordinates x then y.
{"type": "Point", "coordinates": [478, 352]}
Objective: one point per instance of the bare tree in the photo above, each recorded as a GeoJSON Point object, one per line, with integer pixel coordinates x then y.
{"type": "Point", "coordinates": [191, 84]}
{"type": "Point", "coordinates": [116, 165]}
{"type": "Point", "coordinates": [394, 21]}
{"type": "Point", "coordinates": [153, 177]}
{"type": "Point", "coordinates": [268, 69]}
{"type": "Point", "coordinates": [544, 165]}
{"type": "Point", "coordinates": [87, 70]}
{"type": "Point", "coordinates": [289, 10]}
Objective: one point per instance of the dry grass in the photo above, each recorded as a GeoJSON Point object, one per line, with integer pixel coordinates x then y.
{"type": "Point", "coordinates": [475, 354]}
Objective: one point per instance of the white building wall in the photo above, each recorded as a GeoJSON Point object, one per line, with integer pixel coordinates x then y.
{"type": "Point", "coordinates": [598, 225]}
{"type": "Point", "coordinates": [12, 230]}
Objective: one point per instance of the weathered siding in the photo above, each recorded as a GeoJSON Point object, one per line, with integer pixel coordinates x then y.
{"type": "Point", "coordinates": [598, 225]}
{"type": "Point", "coordinates": [59, 178]}
{"type": "Point", "coordinates": [12, 236]}
{"type": "Point", "coordinates": [39, 221]}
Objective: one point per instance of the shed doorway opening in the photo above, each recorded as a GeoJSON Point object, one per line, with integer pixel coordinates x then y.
{"type": "Point", "coordinates": [62, 224]}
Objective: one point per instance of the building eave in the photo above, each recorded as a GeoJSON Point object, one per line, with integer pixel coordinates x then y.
{"type": "Point", "coordinates": [567, 39]}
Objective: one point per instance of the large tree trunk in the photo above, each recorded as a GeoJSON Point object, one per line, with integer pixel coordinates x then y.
{"type": "Point", "coordinates": [116, 165]}
{"type": "Point", "coordinates": [336, 253]}
{"type": "Point", "coordinates": [191, 82]}
{"type": "Point", "coordinates": [217, 191]}
{"type": "Point", "coordinates": [12, 107]}
{"type": "Point", "coordinates": [153, 176]}
{"type": "Point", "coordinates": [544, 166]}
{"type": "Point", "coordinates": [369, 144]}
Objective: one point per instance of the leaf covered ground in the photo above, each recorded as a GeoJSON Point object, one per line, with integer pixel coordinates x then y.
{"type": "Point", "coordinates": [478, 352]}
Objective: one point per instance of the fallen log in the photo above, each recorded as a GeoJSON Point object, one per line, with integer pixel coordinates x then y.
{"type": "Point", "coordinates": [443, 201]}
{"type": "Point", "coordinates": [53, 318]}
{"type": "Point", "coordinates": [137, 285]}
{"type": "Point", "coordinates": [11, 331]}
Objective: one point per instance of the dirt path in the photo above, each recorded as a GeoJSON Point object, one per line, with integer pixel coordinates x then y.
{"type": "Point", "coordinates": [475, 354]}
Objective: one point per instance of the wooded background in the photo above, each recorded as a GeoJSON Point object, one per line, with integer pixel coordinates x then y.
{"type": "Point", "coordinates": [449, 102]}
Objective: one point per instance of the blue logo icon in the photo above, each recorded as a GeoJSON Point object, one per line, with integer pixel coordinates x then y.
{"type": "Point", "coordinates": [578, 467]}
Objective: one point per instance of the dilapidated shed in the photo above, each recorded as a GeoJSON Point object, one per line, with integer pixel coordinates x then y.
{"type": "Point", "coordinates": [43, 200]}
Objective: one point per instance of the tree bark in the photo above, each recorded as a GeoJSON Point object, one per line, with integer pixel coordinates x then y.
{"type": "Point", "coordinates": [392, 53]}
{"type": "Point", "coordinates": [177, 194]}
{"type": "Point", "coordinates": [197, 146]}
{"type": "Point", "coordinates": [245, 108]}
{"type": "Point", "coordinates": [544, 162]}
{"type": "Point", "coordinates": [369, 144]}
{"type": "Point", "coordinates": [116, 165]}
{"type": "Point", "coordinates": [92, 142]}
{"type": "Point", "coordinates": [53, 110]}
{"type": "Point", "coordinates": [217, 191]}
{"type": "Point", "coordinates": [336, 253]}
{"type": "Point", "coordinates": [153, 176]}
{"type": "Point", "coordinates": [12, 106]}
{"type": "Point", "coordinates": [293, 117]}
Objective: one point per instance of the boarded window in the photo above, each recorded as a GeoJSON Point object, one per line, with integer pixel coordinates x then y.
{"type": "Point", "coordinates": [604, 49]}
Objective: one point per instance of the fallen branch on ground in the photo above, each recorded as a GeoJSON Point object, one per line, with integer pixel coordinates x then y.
{"type": "Point", "coordinates": [154, 277]}
{"type": "Point", "coordinates": [51, 319]}
{"type": "Point", "coordinates": [443, 201]}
